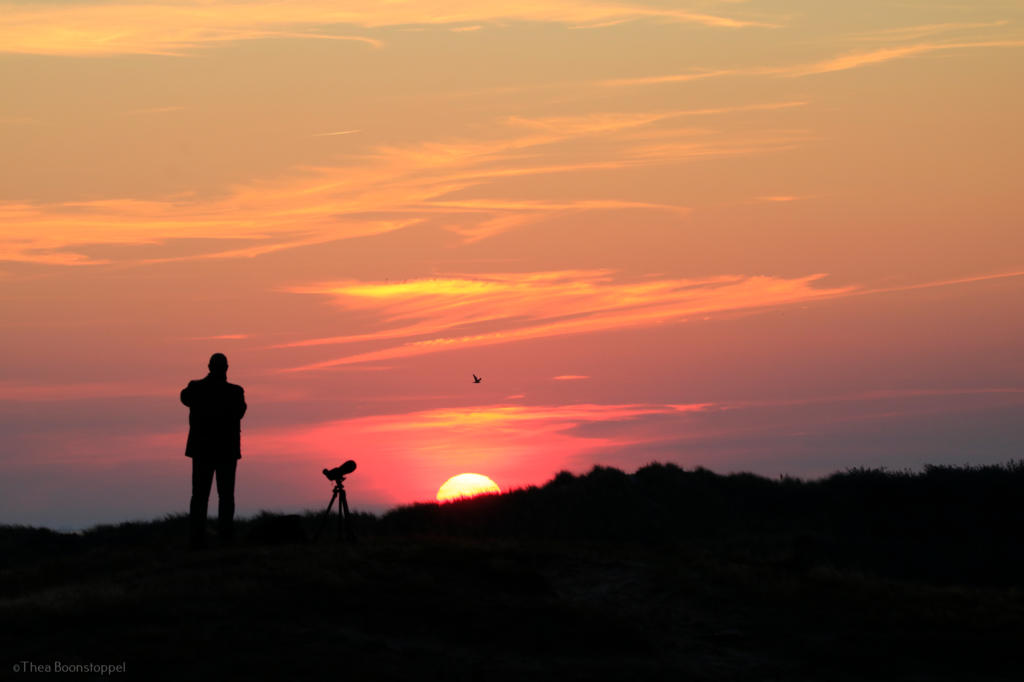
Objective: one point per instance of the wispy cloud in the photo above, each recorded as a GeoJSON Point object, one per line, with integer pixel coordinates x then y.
{"type": "Point", "coordinates": [948, 282]}
{"type": "Point", "coordinates": [220, 337]}
{"type": "Point", "coordinates": [389, 188]}
{"type": "Point", "coordinates": [337, 132]}
{"type": "Point", "coordinates": [509, 415]}
{"type": "Point", "coordinates": [522, 444]}
{"type": "Point", "coordinates": [599, 24]}
{"type": "Point", "coordinates": [886, 54]}
{"type": "Point", "coordinates": [593, 124]}
{"type": "Point", "coordinates": [59, 234]}
{"type": "Point", "coordinates": [571, 377]}
{"type": "Point", "coordinates": [415, 452]}
{"type": "Point", "coordinates": [878, 395]}
{"type": "Point", "coordinates": [924, 30]}
{"type": "Point", "coordinates": [685, 77]}
{"type": "Point", "coordinates": [778, 198]}
{"type": "Point", "coordinates": [423, 316]}
{"type": "Point", "coordinates": [852, 60]}
{"type": "Point", "coordinates": [176, 26]}
{"type": "Point", "coordinates": [506, 308]}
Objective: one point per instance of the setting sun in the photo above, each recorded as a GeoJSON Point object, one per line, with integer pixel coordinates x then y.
{"type": "Point", "coordinates": [466, 485]}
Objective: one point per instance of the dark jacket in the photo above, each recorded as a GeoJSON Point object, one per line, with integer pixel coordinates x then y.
{"type": "Point", "coordinates": [214, 418]}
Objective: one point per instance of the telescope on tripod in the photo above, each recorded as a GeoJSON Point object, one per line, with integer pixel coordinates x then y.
{"type": "Point", "coordinates": [337, 475]}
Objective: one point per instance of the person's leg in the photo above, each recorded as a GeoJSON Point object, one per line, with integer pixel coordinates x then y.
{"type": "Point", "coordinates": [202, 479]}
{"type": "Point", "coordinates": [226, 499]}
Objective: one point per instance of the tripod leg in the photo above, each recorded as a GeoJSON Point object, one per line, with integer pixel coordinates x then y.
{"type": "Point", "coordinates": [343, 507]}
{"type": "Point", "coordinates": [323, 519]}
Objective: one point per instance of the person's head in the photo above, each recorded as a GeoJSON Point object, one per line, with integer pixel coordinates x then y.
{"type": "Point", "coordinates": [218, 364]}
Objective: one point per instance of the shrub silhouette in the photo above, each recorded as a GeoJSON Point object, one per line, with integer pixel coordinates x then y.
{"type": "Point", "coordinates": [945, 524]}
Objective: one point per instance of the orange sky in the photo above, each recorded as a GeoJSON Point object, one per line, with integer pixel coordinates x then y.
{"type": "Point", "coordinates": [783, 237]}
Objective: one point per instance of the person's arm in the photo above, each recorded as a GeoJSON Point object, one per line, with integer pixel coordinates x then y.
{"type": "Point", "coordinates": [241, 402]}
{"type": "Point", "coordinates": [186, 395]}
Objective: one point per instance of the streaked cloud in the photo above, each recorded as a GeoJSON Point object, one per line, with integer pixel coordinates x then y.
{"type": "Point", "coordinates": [882, 394]}
{"type": "Point", "coordinates": [571, 377]}
{"type": "Point", "coordinates": [405, 184]}
{"type": "Point", "coordinates": [507, 308]}
{"type": "Point", "coordinates": [858, 59]}
{"type": "Point", "coordinates": [778, 198]}
{"type": "Point", "coordinates": [593, 124]}
{"type": "Point", "coordinates": [175, 27]}
{"type": "Point", "coordinates": [948, 282]}
{"type": "Point", "coordinates": [415, 452]}
{"type": "Point", "coordinates": [421, 315]}
{"type": "Point", "coordinates": [852, 60]}
{"type": "Point", "coordinates": [925, 30]}
{"type": "Point", "coordinates": [55, 234]}
{"type": "Point", "coordinates": [220, 337]}
{"type": "Point", "coordinates": [686, 77]}
{"type": "Point", "coordinates": [508, 416]}
{"type": "Point", "coordinates": [338, 132]}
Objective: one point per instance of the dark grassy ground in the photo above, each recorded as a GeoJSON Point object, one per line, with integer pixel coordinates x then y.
{"type": "Point", "coordinates": [663, 574]}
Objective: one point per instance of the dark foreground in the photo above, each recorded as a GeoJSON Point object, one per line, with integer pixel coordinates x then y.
{"type": "Point", "coordinates": [781, 591]}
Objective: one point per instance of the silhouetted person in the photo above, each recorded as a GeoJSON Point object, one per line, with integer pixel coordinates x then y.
{"type": "Point", "coordinates": [214, 444]}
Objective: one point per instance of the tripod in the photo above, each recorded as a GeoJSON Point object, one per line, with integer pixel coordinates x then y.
{"type": "Point", "coordinates": [344, 516]}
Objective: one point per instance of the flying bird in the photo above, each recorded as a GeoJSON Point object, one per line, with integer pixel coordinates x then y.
{"type": "Point", "coordinates": [476, 379]}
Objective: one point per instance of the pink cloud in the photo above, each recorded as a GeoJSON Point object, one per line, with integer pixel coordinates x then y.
{"type": "Point", "coordinates": [511, 307]}
{"type": "Point", "coordinates": [405, 457]}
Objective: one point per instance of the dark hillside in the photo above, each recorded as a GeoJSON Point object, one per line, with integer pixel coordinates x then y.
{"type": "Point", "coordinates": [945, 525]}
{"type": "Point", "coordinates": [664, 574]}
